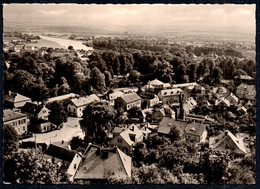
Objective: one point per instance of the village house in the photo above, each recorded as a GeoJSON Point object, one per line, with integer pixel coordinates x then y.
{"type": "Point", "coordinates": [167, 123]}
{"type": "Point", "coordinates": [243, 79]}
{"type": "Point", "coordinates": [241, 109]}
{"type": "Point", "coordinates": [126, 139]}
{"type": "Point", "coordinates": [40, 125]}
{"type": "Point", "coordinates": [15, 100]}
{"type": "Point", "coordinates": [159, 113]}
{"type": "Point", "coordinates": [113, 96]}
{"type": "Point", "coordinates": [246, 91]}
{"type": "Point", "coordinates": [198, 118]}
{"type": "Point", "coordinates": [61, 98]}
{"type": "Point", "coordinates": [220, 91]}
{"type": "Point", "coordinates": [67, 160]}
{"type": "Point", "coordinates": [149, 99]}
{"type": "Point", "coordinates": [18, 120]}
{"type": "Point", "coordinates": [195, 132]}
{"type": "Point", "coordinates": [222, 102]}
{"type": "Point", "coordinates": [36, 111]}
{"type": "Point", "coordinates": [171, 96]}
{"type": "Point", "coordinates": [226, 141]}
{"type": "Point", "coordinates": [158, 85]}
{"type": "Point", "coordinates": [233, 100]}
{"type": "Point", "coordinates": [76, 106]}
{"type": "Point", "coordinates": [189, 105]}
{"type": "Point", "coordinates": [128, 101]}
{"type": "Point", "coordinates": [99, 164]}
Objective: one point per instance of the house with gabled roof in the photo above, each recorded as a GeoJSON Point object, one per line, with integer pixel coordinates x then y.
{"type": "Point", "coordinates": [171, 96]}
{"type": "Point", "coordinates": [222, 102]}
{"type": "Point", "coordinates": [18, 120]}
{"type": "Point", "coordinates": [68, 160]}
{"type": "Point", "coordinates": [99, 164]}
{"type": "Point", "coordinates": [126, 139]}
{"type": "Point", "coordinates": [113, 96]}
{"type": "Point", "coordinates": [158, 114]}
{"type": "Point", "coordinates": [76, 106]}
{"type": "Point", "coordinates": [36, 111]}
{"type": "Point", "coordinates": [128, 101]}
{"type": "Point", "coordinates": [226, 141]}
{"type": "Point", "coordinates": [195, 132]}
{"type": "Point", "coordinates": [241, 109]}
{"type": "Point", "coordinates": [167, 123]}
{"type": "Point", "coordinates": [220, 91]}
{"type": "Point", "coordinates": [189, 105]}
{"type": "Point", "coordinates": [246, 91]}
{"type": "Point", "coordinates": [156, 84]}
{"type": "Point", "coordinates": [232, 99]}
{"type": "Point", "coordinates": [15, 100]}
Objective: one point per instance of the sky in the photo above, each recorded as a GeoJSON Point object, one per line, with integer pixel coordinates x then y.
{"type": "Point", "coordinates": [156, 15]}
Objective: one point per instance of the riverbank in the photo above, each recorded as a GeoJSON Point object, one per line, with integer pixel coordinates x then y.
{"type": "Point", "coordinates": [65, 43]}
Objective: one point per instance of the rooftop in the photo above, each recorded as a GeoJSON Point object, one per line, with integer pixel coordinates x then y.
{"type": "Point", "coordinates": [32, 108]}
{"type": "Point", "coordinates": [102, 163]}
{"type": "Point", "coordinates": [15, 97]}
{"type": "Point", "coordinates": [82, 101]}
{"type": "Point", "coordinates": [12, 115]}
{"type": "Point", "coordinates": [131, 97]}
{"type": "Point", "coordinates": [195, 129]}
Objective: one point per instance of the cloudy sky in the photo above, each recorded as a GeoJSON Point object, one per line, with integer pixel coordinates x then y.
{"type": "Point", "coordinates": [123, 15]}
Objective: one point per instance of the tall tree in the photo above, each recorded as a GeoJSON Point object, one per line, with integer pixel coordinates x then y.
{"type": "Point", "coordinates": [98, 120]}
{"type": "Point", "coordinates": [58, 113]}
{"type": "Point", "coordinates": [98, 79]}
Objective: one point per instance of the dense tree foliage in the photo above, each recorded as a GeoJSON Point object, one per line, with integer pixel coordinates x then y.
{"type": "Point", "coordinates": [58, 113]}
{"type": "Point", "coordinates": [29, 167]}
{"type": "Point", "coordinates": [11, 139]}
{"type": "Point", "coordinates": [98, 120]}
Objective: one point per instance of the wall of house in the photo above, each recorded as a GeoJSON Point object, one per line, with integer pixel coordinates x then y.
{"type": "Point", "coordinates": [171, 99]}
{"type": "Point", "coordinates": [73, 167]}
{"type": "Point", "coordinates": [20, 125]}
{"type": "Point", "coordinates": [203, 137]}
{"type": "Point", "coordinates": [133, 104]}
{"type": "Point", "coordinates": [122, 145]}
{"type": "Point", "coordinates": [75, 111]}
{"type": "Point", "coordinates": [43, 114]}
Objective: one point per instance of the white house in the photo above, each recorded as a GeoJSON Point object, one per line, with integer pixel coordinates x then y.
{"type": "Point", "coordinates": [77, 105]}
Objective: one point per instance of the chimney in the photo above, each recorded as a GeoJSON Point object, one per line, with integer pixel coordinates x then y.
{"type": "Point", "coordinates": [9, 93]}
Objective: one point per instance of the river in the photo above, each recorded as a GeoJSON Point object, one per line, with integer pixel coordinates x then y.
{"type": "Point", "coordinates": [77, 45]}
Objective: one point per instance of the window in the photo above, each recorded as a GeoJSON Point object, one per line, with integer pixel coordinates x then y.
{"type": "Point", "coordinates": [74, 109]}
{"type": "Point", "coordinates": [119, 140]}
{"type": "Point", "coordinates": [69, 108]}
{"type": "Point", "coordinates": [23, 128]}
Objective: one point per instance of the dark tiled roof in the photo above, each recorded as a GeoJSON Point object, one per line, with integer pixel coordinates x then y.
{"type": "Point", "coordinates": [195, 129]}
{"type": "Point", "coordinates": [32, 108]}
{"type": "Point", "coordinates": [167, 123]}
{"type": "Point", "coordinates": [12, 115]}
{"type": "Point", "coordinates": [108, 162]}
{"type": "Point", "coordinates": [15, 97]}
{"type": "Point", "coordinates": [131, 98]}
{"type": "Point", "coordinates": [60, 153]}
